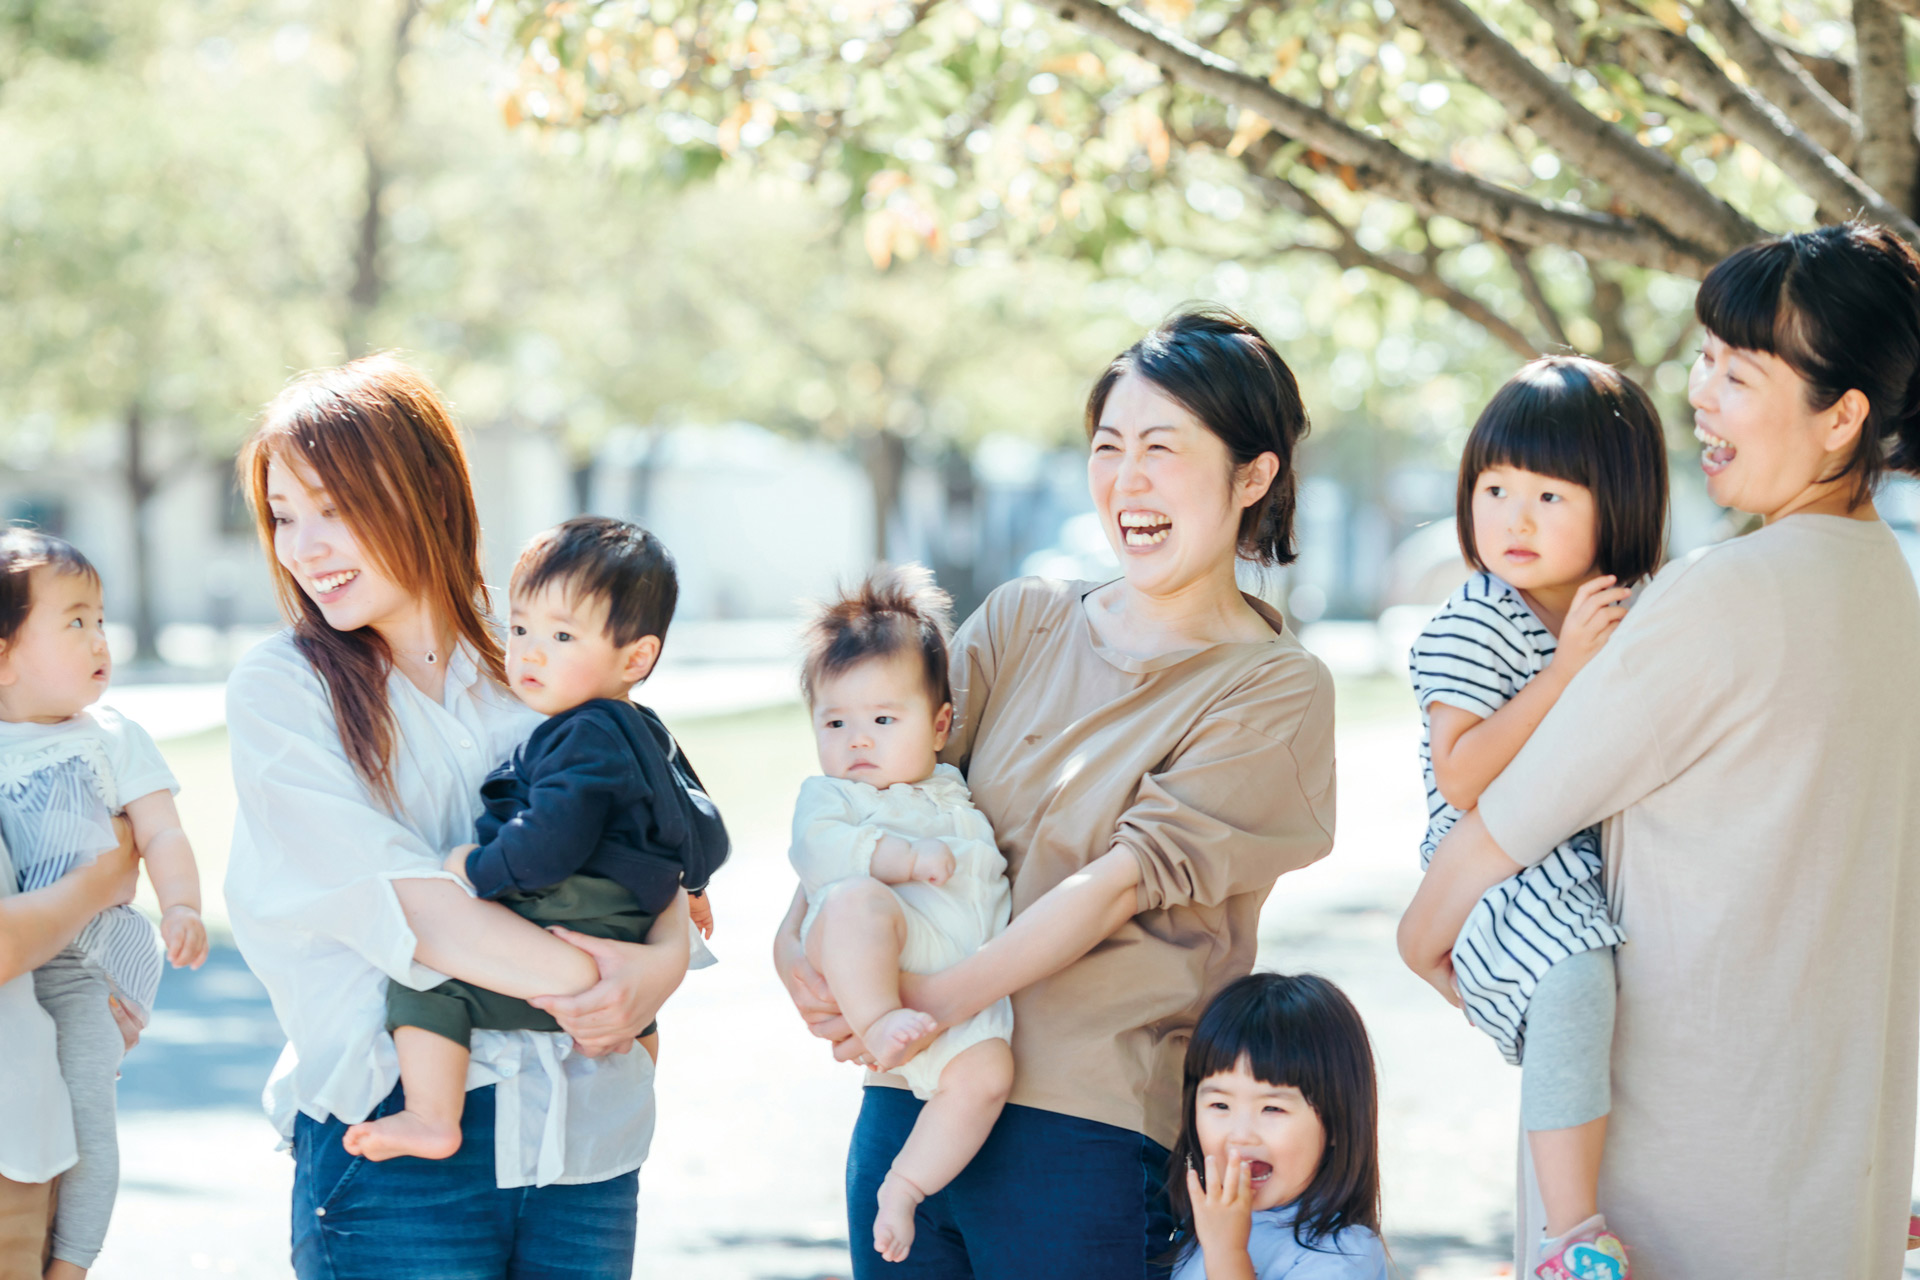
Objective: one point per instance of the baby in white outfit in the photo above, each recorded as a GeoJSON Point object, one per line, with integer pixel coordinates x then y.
{"type": "Point", "coordinates": [901, 872]}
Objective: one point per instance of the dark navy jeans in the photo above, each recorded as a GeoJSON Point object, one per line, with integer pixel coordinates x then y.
{"type": "Point", "coordinates": [1048, 1196]}
{"type": "Point", "coordinates": [411, 1219]}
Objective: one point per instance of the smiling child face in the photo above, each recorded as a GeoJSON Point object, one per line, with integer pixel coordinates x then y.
{"type": "Point", "coordinates": [1269, 1125]}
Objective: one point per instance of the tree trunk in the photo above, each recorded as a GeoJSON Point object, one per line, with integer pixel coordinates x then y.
{"type": "Point", "coordinates": [885, 456]}
{"type": "Point", "coordinates": [140, 489]}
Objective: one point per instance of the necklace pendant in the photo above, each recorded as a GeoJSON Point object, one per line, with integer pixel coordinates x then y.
{"type": "Point", "coordinates": [432, 658]}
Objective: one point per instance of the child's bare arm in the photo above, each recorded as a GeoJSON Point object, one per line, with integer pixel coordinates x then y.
{"type": "Point", "coordinates": [1469, 751]}
{"type": "Point", "coordinates": [176, 879]}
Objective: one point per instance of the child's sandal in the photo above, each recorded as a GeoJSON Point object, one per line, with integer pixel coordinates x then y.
{"type": "Point", "coordinates": [1588, 1252]}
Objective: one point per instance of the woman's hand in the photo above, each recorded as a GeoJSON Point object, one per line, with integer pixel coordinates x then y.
{"type": "Point", "coordinates": [635, 980]}
{"type": "Point", "coordinates": [1223, 1216]}
{"type": "Point", "coordinates": [1597, 608]}
{"type": "Point", "coordinates": [805, 985]}
{"type": "Point", "coordinates": [110, 879]}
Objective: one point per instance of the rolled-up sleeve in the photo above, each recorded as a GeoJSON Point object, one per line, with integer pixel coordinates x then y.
{"type": "Point", "coordinates": [323, 855]}
{"type": "Point", "coordinates": [1235, 808]}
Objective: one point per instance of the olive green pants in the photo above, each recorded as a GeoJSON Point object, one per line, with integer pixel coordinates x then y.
{"type": "Point", "coordinates": [591, 905]}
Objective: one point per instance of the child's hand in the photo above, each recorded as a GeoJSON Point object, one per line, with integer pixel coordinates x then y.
{"type": "Point", "coordinates": [185, 935]}
{"type": "Point", "coordinates": [1597, 608]}
{"type": "Point", "coordinates": [456, 862]}
{"type": "Point", "coordinates": [702, 912]}
{"type": "Point", "coordinates": [932, 862]}
{"type": "Point", "coordinates": [130, 1023]}
{"type": "Point", "coordinates": [1223, 1213]}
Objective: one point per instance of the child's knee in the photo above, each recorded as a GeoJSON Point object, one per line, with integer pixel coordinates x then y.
{"type": "Point", "coordinates": [859, 896]}
{"type": "Point", "coordinates": [983, 1073]}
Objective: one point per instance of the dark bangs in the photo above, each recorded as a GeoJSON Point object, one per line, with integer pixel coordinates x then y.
{"type": "Point", "coordinates": [1743, 302]}
{"type": "Point", "coordinates": [1578, 420]}
{"type": "Point", "coordinates": [1299, 1031]}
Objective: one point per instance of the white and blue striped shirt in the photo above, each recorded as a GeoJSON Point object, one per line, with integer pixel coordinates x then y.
{"type": "Point", "coordinates": [1477, 653]}
{"type": "Point", "coordinates": [60, 784]}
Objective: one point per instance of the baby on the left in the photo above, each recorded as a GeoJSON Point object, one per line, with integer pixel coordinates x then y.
{"type": "Point", "coordinates": [66, 772]}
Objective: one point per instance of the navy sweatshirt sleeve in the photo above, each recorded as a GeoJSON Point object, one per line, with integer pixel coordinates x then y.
{"type": "Point", "coordinates": [577, 778]}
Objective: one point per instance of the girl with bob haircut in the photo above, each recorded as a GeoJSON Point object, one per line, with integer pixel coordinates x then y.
{"type": "Point", "coordinates": [1747, 737]}
{"type": "Point", "coordinates": [1276, 1171]}
{"type": "Point", "coordinates": [1563, 505]}
{"type": "Point", "coordinates": [360, 737]}
{"type": "Point", "coordinates": [1108, 732]}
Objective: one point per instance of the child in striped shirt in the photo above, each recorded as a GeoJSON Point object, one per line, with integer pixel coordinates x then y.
{"type": "Point", "coordinates": [65, 772]}
{"type": "Point", "coordinates": [1562, 507]}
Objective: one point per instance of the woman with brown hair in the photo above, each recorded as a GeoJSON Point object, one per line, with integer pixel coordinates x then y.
{"type": "Point", "coordinates": [360, 737]}
{"type": "Point", "coordinates": [1153, 753]}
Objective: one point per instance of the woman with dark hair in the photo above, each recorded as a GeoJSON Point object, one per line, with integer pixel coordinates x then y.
{"type": "Point", "coordinates": [1750, 738]}
{"type": "Point", "coordinates": [360, 738]}
{"type": "Point", "coordinates": [1153, 753]}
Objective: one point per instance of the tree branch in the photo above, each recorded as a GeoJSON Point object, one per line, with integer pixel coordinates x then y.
{"type": "Point", "coordinates": [1887, 154]}
{"type": "Point", "coordinates": [1535, 295]}
{"type": "Point", "coordinates": [1429, 187]}
{"type": "Point", "coordinates": [1643, 176]}
{"type": "Point", "coordinates": [1837, 190]}
{"type": "Point", "coordinates": [1349, 252]}
{"type": "Point", "coordinates": [1777, 77]}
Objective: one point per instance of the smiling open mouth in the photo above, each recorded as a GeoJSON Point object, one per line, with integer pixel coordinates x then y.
{"type": "Point", "coordinates": [1144, 528]}
{"type": "Point", "coordinates": [334, 581]}
{"type": "Point", "coordinates": [1718, 454]}
{"type": "Point", "coordinates": [1261, 1171]}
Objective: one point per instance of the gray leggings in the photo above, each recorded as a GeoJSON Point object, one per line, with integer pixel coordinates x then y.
{"type": "Point", "coordinates": [1566, 1073]}
{"type": "Point", "coordinates": [74, 992]}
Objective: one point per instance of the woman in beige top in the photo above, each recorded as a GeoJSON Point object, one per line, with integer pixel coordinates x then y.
{"type": "Point", "coordinates": [1751, 737]}
{"type": "Point", "coordinates": [1153, 753]}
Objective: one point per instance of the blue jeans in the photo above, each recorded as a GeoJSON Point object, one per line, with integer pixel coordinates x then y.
{"type": "Point", "coordinates": [1048, 1195]}
{"type": "Point", "coordinates": [412, 1219]}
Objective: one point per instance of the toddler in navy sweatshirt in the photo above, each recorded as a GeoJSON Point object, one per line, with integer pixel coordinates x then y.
{"type": "Point", "coordinates": [596, 823]}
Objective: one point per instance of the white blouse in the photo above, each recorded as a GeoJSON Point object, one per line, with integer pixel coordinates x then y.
{"type": "Point", "coordinates": [36, 1118]}
{"type": "Point", "coordinates": [310, 894]}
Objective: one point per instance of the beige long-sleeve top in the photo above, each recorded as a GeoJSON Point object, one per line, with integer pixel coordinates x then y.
{"type": "Point", "coordinates": [1751, 735]}
{"type": "Point", "coordinates": [1212, 767]}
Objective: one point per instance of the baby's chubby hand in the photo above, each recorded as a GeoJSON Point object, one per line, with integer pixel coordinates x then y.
{"type": "Point", "coordinates": [456, 862]}
{"type": "Point", "coordinates": [185, 935]}
{"type": "Point", "coordinates": [932, 862]}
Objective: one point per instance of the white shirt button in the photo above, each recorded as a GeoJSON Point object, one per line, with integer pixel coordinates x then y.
{"type": "Point", "coordinates": [466, 744]}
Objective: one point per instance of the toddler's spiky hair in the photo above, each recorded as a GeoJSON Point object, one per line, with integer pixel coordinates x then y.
{"type": "Point", "coordinates": [896, 609]}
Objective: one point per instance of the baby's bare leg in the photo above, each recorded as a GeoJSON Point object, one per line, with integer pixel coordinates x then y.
{"type": "Point", "coordinates": [433, 1070]}
{"type": "Point", "coordinates": [855, 944]}
{"type": "Point", "coordinates": [949, 1133]}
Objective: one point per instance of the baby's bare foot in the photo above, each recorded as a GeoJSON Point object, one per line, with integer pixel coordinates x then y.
{"type": "Point", "coordinates": [893, 1225]}
{"type": "Point", "coordinates": [894, 1037]}
{"type": "Point", "coordinates": [404, 1133]}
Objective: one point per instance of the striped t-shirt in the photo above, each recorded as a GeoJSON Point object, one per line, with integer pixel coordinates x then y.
{"type": "Point", "coordinates": [1477, 653]}
{"type": "Point", "coordinates": [60, 784]}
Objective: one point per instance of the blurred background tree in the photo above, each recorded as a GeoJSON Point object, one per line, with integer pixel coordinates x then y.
{"type": "Point", "coordinates": [1527, 164]}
